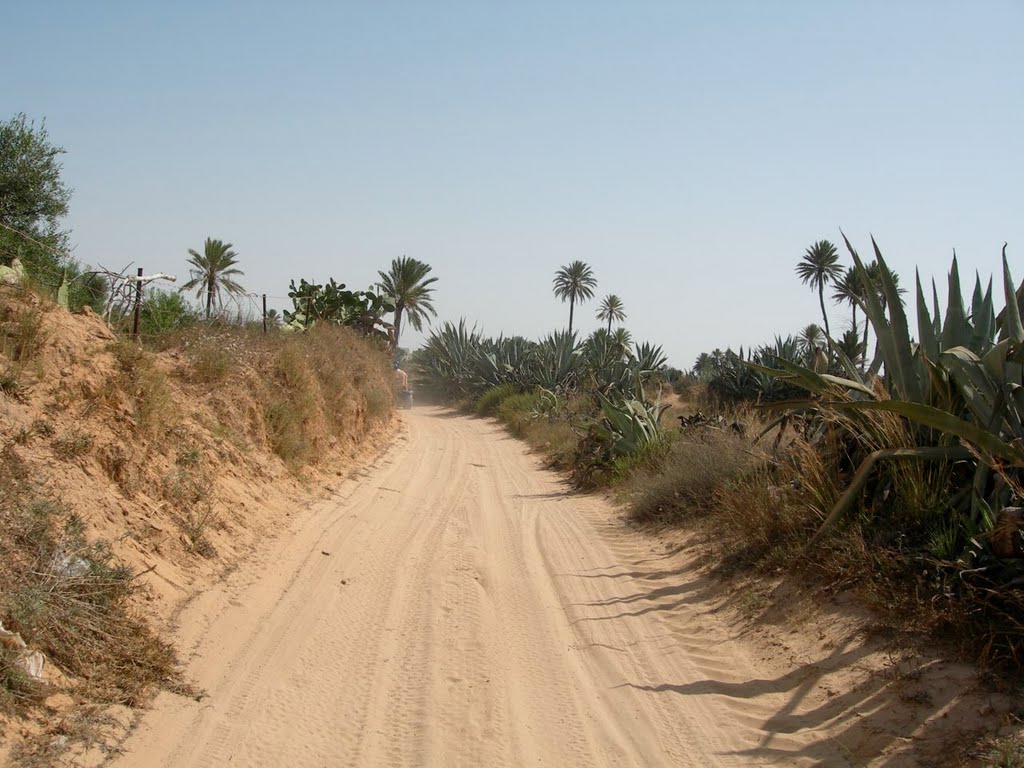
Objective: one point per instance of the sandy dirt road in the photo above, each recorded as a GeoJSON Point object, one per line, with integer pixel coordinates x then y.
{"type": "Point", "coordinates": [455, 605]}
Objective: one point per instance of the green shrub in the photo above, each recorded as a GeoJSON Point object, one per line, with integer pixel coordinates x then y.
{"type": "Point", "coordinates": [516, 411]}
{"type": "Point", "coordinates": [489, 402]}
{"type": "Point", "coordinates": [164, 311]}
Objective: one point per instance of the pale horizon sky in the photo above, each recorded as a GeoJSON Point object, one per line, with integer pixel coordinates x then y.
{"type": "Point", "coordinates": [689, 152]}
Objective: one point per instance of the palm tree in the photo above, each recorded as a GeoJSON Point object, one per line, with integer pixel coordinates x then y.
{"type": "Point", "coordinates": [811, 339]}
{"type": "Point", "coordinates": [575, 282]}
{"type": "Point", "coordinates": [622, 339]}
{"type": "Point", "coordinates": [407, 283]}
{"type": "Point", "coordinates": [851, 346]}
{"type": "Point", "coordinates": [212, 272]}
{"type": "Point", "coordinates": [849, 290]}
{"type": "Point", "coordinates": [818, 268]}
{"type": "Point", "coordinates": [703, 365]}
{"type": "Point", "coordinates": [611, 309]}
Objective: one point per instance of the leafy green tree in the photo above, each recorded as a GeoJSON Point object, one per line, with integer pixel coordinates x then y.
{"type": "Point", "coordinates": [611, 309]}
{"type": "Point", "coordinates": [165, 311]}
{"type": "Point", "coordinates": [212, 272]}
{"type": "Point", "coordinates": [575, 282]}
{"type": "Point", "coordinates": [408, 285]}
{"type": "Point", "coordinates": [818, 268]}
{"type": "Point", "coordinates": [33, 198]}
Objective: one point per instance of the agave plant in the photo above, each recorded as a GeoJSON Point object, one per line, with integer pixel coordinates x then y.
{"type": "Point", "coordinates": [629, 426]}
{"type": "Point", "coordinates": [959, 382]}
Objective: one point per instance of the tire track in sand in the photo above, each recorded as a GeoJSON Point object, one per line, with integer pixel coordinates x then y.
{"type": "Point", "coordinates": [470, 612]}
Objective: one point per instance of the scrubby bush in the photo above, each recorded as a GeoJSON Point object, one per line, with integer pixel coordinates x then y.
{"type": "Point", "coordinates": [489, 402]}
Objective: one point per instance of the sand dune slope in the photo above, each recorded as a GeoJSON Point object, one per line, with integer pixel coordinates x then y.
{"type": "Point", "coordinates": [456, 605]}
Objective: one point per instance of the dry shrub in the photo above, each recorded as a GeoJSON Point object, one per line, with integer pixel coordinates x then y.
{"type": "Point", "coordinates": [765, 516]}
{"type": "Point", "coordinates": [210, 362]}
{"type": "Point", "coordinates": [189, 489]}
{"type": "Point", "coordinates": [290, 407]}
{"type": "Point", "coordinates": [70, 599]}
{"type": "Point", "coordinates": [21, 331]}
{"type": "Point", "coordinates": [147, 387]}
{"type": "Point", "coordinates": [696, 466]}
{"type": "Point", "coordinates": [72, 444]}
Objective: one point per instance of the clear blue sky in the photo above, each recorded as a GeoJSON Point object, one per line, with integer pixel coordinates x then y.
{"type": "Point", "coordinates": [689, 152]}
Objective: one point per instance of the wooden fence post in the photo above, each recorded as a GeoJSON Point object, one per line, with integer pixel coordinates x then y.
{"type": "Point", "coordinates": [138, 305]}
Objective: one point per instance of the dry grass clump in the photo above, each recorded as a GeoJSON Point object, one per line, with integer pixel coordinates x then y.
{"type": "Point", "coordinates": [140, 378]}
{"type": "Point", "coordinates": [697, 465]}
{"type": "Point", "coordinates": [70, 599]}
{"type": "Point", "coordinates": [291, 404]}
{"type": "Point", "coordinates": [349, 368]}
{"type": "Point", "coordinates": [189, 489]}
{"type": "Point", "coordinates": [765, 515]}
{"type": "Point", "coordinates": [21, 329]}
{"type": "Point", "coordinates": [211, 362]}
{"type": "Point", "coordinates": [72, 444]}
{"type": "Point", "coordinates": [326, 382]}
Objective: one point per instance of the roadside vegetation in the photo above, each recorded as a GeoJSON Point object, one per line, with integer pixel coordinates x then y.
{"type": "Point", "coordinates": [153, 425]}
{"type": "Point", "coordinates": [896, 473]}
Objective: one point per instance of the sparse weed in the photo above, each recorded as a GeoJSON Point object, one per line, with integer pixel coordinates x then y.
{"type": "Point", "coordinates": [190, 489]}
{"type": "Point", "coordinates": [42, 427]}
{"type": "Point", "coordinates": [72, 444]}
{"type": "Point", "coordinates": [210, 363]}
{"type": "Point", "coordinates": [21, 332]}
{"type": "Point", "coordinates": [10, 383]}
{"type": "Point", "coordinates": [194, 524]}
{"type": "Point", "coordinates": [143, 381]}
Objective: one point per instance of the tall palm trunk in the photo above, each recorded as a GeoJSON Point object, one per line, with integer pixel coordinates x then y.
{"type": "Point", "coordinates": [824, 317]}
{"type": "Point", "coordinates": [209, 297]}
{"type": "Point", "coordinates": [572, 301]}
{"type": "Point", "coordinates": [399, 308]}
{"type": "Point", "coordinates": [609, 325]}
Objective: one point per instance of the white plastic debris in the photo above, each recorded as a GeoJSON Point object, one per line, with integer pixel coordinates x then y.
{"type": "Point", "coordinates": [29, 662]}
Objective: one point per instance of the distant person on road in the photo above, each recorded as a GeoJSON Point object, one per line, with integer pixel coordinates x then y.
{"type": "Point", "coordinates": [401, 378]}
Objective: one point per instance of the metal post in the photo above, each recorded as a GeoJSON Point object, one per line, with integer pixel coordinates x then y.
{"type": "Point", "coordinates": [264, 313]}
{"type": "Point", "coordinates": [138, 305]}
